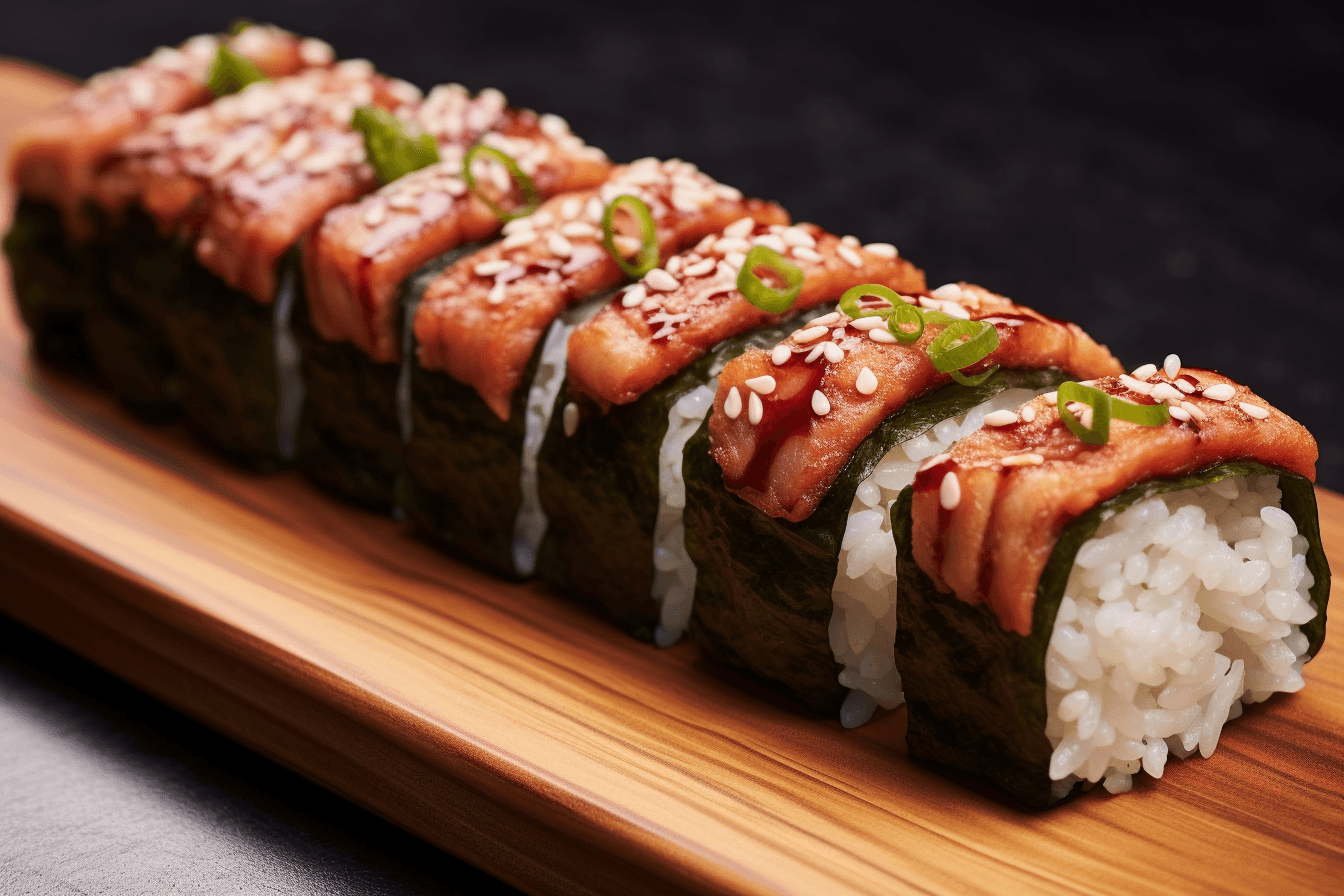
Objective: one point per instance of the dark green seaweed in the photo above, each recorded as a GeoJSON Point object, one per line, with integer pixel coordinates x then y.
{"type": "Point", "coordinates": [54, 282]}
{"type": "Point", "coordinates": [599, 489]}
{"type": "Point", "coordinates": [976, 693]}
{"type": "Point", "coordinates": [350, 436]}
{"type": "Point", "coordinates": [763, 590]}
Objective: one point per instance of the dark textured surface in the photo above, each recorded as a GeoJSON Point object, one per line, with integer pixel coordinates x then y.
{"type": "Point", "coordinates": [1170, 182]}
{"type": "Point", "coordinates": [106, 791]}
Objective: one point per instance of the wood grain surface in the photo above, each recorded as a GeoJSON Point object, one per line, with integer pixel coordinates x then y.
{"type": "Point", "coordinates": [515, 730]}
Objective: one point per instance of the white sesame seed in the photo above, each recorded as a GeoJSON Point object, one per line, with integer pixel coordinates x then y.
{"type": "Point", "coordinates": [1144, 371]}
{"type": "Point", "coordinates": [851, 241]}
{"type": "Point", "coordinates": [797, 236]}
{"type": "Point", "coordinates": [850, 257]}
{"type": "Point", "coordinates": [1052, 397]}
{"type": "Point", "coordinates": [866, 382]}
{"type": "Point", "coordinates": [634, 296]}
{"type": "Point", "coordinates": [802, 337]}
{"type": "Point", "coordinates": [316, 52]}
{"type": "Point", "coordinates": [660, 280]}
{"type": "Point", "coordinates": [140, 92]}
{"type": "Point", "coordinates": [780, 354]}
{"type": "Point", "coordinates": [1254, 410]}
{"type": "Point", "coordinates": [571, 418]}
{"type": "Point", "coordinates": [740, 228]}
{"type": "Point", "coordinates": [1193, 411]}
{"type": "Point", "coordinates": [673, 265]}
{"type": "Point", "coordinates": [732, 405]}
{"type": "Point", "coordinates": [731, 244]}
{"type": "Point", "coordinates": [763, 384]}
{"type": "Point", "coordinates": [815, 353]}
{"type": "Point", "coordinates": [884, 250]}
{"type": "Point", "coordinates": [881, 335]}
{"type": "Point", "coordinates": [1171, 366]}
{"type": "Point", "coordinates": [1179, 413]}
{"type": "Point", "coordinates": [705, 245]}
{"type": "Point", "coordinates": [594, 210]}
{"type": "Point", "coordinates": [1000, 418]}
{"type": "Point", "coordinates": [1030, 459]}
{"type": "Point", "coordinates": [1136, 385]}
{"type": "Point", "coordinates": [802, 253]}
{"type": "Point", "coordinates": [496, 294]}
{"type": "Point", "coordinates": [735, 259]}
{"type": "Point", "coordinates": [700, 268]}
{"type": "Point", "coordinates": [834, 353]}
{"type": "Point", "coordinates": [731, 194]}
{"type": "Point", "coordinates": [838, 333]}
{"type": "Point", "coordinates": [404, 202]}
{"type": "Point", "coordinates": [952, 309]}
{"type": "Point", "coordinates": [375, 214]}
{"type": "Point", "coordinates": [519, 239]}
{"type": "Point", "coordinates": [1165, 392]}
{"type": "Point", "coordinates": [518, 225]}
{"type": "Point", "coordinates": [578, 230]}
{"type": "Point", "coordinates": [571, 208]}
{"type": "Point", "coordinates": [755, 410]}
{"type": "Point", "coordinates": [296, 146]}
{"type": "Point", "coordinates": [558, 245]}
{"type": "Point", "coordinates": [947, 291]}
{"type": "Point", "coordinates": [1184, 386]}
{"type": "Point", "coordinates": [1028, 414]}
{"type": "Point", "coordinates": [770, 241]}
{"type": "Point", "coordinates": [491, 268]}
{"type": "Point", "coordinates": [826, 319]}
{"type": "Point", "coordinates": [872, 322]}
{"type": "Point", "coordinates": [933, 462]}
{"type": "Point", "coordinates": [821, 405]}
{"type": "Point", "coordinates": [324, 161]}
{"type": "Point", "coordinates": [1220, 391]}
{"type": "Point", "coordinates": [949, 493]}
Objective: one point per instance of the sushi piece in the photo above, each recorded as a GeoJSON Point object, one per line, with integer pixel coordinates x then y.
{"type": "Point", "coordinates": [55, 242]}
{"type": "Point", "coordinates": [360, 260]}
{"type": "Point", "coordinates": [641, 377]}
{"type": "Point", "coordinates": [1105, 579]}
{"type": "Point", "coordinates": [789, 481]}
{"type": "Point", "coordinates": [490, 336]}
{"type": "Point", "coordinates": [210, 206]}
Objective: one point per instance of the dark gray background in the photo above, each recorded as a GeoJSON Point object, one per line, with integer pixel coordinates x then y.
{"type": "Point", "coordinates": [1169, 180]}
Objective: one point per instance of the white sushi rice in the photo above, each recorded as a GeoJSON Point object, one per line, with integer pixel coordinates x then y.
{"type": "Point", "coordinates": [863, 622]}
{"type": "Point", "coordinates": [290, 390]}
{"type": "Point", "coordinates": [529, 526]}
{"type": "Point", "coordinates": [1179, 610]}
{"type": "Point", "coordinates": [673, 570]}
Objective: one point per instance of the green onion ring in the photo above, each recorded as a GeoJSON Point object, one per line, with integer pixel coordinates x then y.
{"type": "Point", "coordinates": [768, 298]}
{"type": "Point", "coordinates": [1097, 400]}
{"type": "Point", "coordinates": [230, 72]}
{"type": "Point", "coordinates": [940, 318]}
{"type": "Point", "coordinates": [904, 314]}
{"type": "Point", "coordinates": [849, 302]}
{"type": "Point", "coordinates": [521, 179]}
{"type": "Point", "coordinates": [390, 149]}
{"type": "Point", "coordinates": [974, 379]}
{"type": "Point", "coordinates": [647, 259]}
{"type": "Point", "coordinates": [948, 354]}
{"type": "Point", "coordinates": [1142, 414]}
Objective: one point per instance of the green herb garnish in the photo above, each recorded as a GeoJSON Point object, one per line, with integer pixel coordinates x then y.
{"type": "Point", "coordinates": [647, 259]}
{"type": "Point", "coordinates": [391, 150]}
{"type": "Point", "coordinates": [533, 198]}
{"type": "Point", "coordinates": [949, 353]}
{"type": "Point", "coordinates": [1097, 400]}
{"type": "Point", "coordinates": [1142, 414]}
{"type": "Point", "coordinates": [775, 300]}
{"type": "Point", "coordinates": [230, 72]}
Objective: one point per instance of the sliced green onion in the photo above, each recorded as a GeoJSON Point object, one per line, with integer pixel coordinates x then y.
{"type": "Point", "coordinates": [230, 72]}
{"type": "Point", "coordinates": [939, 318]}
{"type": "Point", "coordinates": [849, 302]}
{"type": "Point", "coordinates": [521, 179]}
{"type": "Point", "coordinates": [391, 150]}
{"type": "Point", "coordinates": [239, 25]}
{"type": "Point", "coordinates": [1097, 400]}
{"type": "Point", "coordinates": [903, 314]}
{"type": "Point", "coordinates": [1142, 414]}
{"type": "Point", "coordinates": [948, 353]}
{"type": "Point", "coordinates": [647, 259]}
{"type": "Point", "coordinates": [974, 379]}
{"type": "Point", "coordinates": [769, 298]}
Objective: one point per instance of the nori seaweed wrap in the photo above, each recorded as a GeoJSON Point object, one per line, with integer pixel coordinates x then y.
{"type": "Point", "coordinates": [1075, 612]}
{"type": "Point", "coordinates": [640, 381]}
{"type": "Point", "coordinates": [370, 260]}
{"type": "Point", "coordinates": [789, 480]}
{"type": "Point", "coordinates": [491, 351]}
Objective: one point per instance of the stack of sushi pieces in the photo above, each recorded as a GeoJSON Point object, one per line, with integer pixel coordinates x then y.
{"type": "Point", "coordinates": [669, 401]}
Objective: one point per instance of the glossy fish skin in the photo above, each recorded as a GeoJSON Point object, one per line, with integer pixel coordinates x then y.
{"type": "Point", "coordinates": [486, 344]}
{"type": "Point", "coordinates": [623, 352]}
{"type": "Point", "coordinates": [359, 256]}
{"type": "Point", "coordinates": [56, 158]}
{"type": "Point", "coordinates": [992, 546]}
{"type": "Point", "coordinates": [785, 464]}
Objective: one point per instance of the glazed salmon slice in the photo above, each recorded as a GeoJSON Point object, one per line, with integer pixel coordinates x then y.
{"type": "Point", "coordinates": [56, 158]}
{"type": "Point", "coordinates": [784, 426]}
{"type": "Point", "coordinates": [676, 314]}
{"type": "Point", "coordinates": [361, 253]}
{"type": "Point", "coordinates": [1020, 484]}
{"type": "Point", "coordinates": [481, 320]}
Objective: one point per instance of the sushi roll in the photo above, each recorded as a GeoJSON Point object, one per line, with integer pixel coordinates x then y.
{"type": "Point", "coordinates": [210, 206]}
{"type": "Point", "coordinates": [365, 255]}
{"type": "Point", "coordinates": [1104, 577]}
{"type": "Point", "coordinates": [55, 242]}
{"type": "Point", "coordinates": [789, 480]}
{"type": "Point", "coordinates": [490, 334]}
{"type": "Point", "coordinates": [640, 379]}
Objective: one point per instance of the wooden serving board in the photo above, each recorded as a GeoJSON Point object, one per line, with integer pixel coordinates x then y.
{"type": "Point", "coordinates": [515, 730]}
